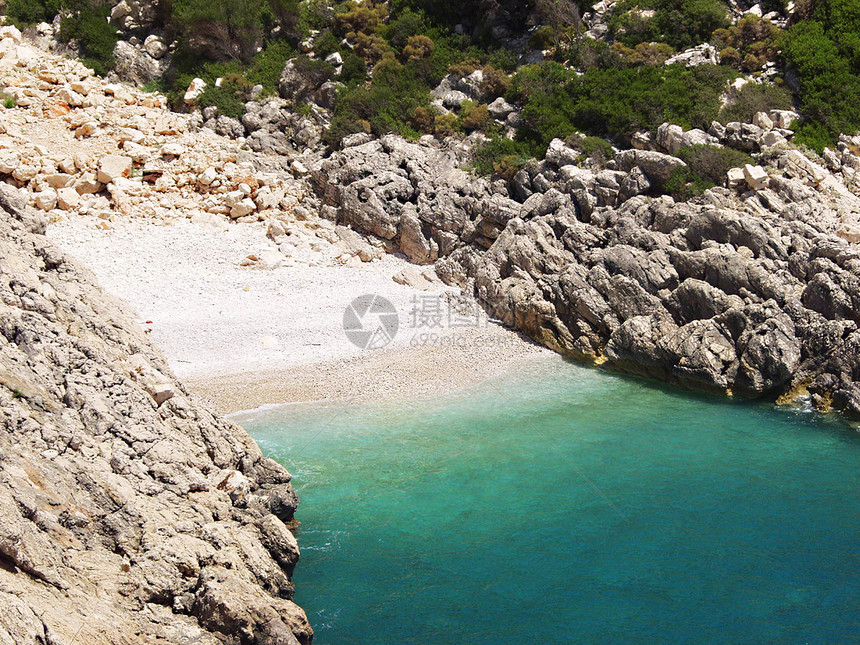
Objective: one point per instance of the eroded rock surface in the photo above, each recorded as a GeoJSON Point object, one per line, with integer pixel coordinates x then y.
{"type": "Point", "coordinates": [749, 291]}
{"type": "Point", "coordinates": [129, 513]}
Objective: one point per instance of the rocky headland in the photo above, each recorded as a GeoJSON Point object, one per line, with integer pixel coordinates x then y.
{"type": "Point", "coordinates": [749, 290]}
{"type": "Point", "coordinates": [130, 513]}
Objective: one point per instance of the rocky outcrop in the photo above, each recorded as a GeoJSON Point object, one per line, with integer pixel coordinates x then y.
{"type": "Point", "coordinates": [129, 513]}
{"type": "Point", "coordinates": [747, 291]}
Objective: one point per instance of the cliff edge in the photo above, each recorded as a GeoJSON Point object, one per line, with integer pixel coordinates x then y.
{"type": "Point", "coordinates": [128, 512]}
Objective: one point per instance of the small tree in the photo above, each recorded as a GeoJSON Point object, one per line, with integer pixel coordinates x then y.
{"type": "Point", "coordinates": [559, 15]}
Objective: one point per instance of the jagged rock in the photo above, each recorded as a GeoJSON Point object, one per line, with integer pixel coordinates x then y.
{"type": "Point", "coordinates": [658, 167]}
{"type": "Point", "coordinates": [752, 296]}
{"type": "Point", "coordinates": [755, 176]}
{"type": "Point", "coordinates": [326, 95]}
{"type": "Point", "coordinates": [500, 109]}
{"type": "Point", "coordinates": [138, 67]}
{"type": "Point", "coordinates": [696, 137]}
{"type": "Point", "coordinates": [46, 199]}
{"type": "Point", "coordinates": [112, 167]}
{"type": "Point", "coordinates": [763, 121]}
{"type": "Point", "coordinates": [68, 198]}
{"type": "Point", "coordinates": [735, 177]}
{"type": "Point", "coordinates": [701, 55]}
{"type": "Point", "coordinates": [784, 118]}
{"type": "Point", "coordinates": [155, 46]}
{"type": "Point", "coordinates": [111, 477]}
{"type": "Point", "coordinates": [670, 137]}
{"type": "Point", "coordinates": [195, 89]}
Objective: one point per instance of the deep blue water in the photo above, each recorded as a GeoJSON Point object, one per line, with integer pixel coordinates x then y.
{"type": "Point", "coordinates": [565, 505]}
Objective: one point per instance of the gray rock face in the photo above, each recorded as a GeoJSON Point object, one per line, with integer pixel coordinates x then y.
{"type": "Point", "coordinates": [754, 294]}
{"type": "Point", "coordinates": [275, 128]}
{"type": "Point", "coordinates": [129, 513]}
{"type": "Point", "coordinates": [136, 65]}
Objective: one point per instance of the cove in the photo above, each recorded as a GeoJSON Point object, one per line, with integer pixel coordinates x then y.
{"type": "Point", "coordinates": [559, 504]}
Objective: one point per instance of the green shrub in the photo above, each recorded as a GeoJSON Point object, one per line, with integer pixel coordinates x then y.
{"type": "Point", "coordinates": [418, 47]}
{"type": "Point", "coordinates": [446, 125]}
{"type": "Point", "coordinates": [354, 70]}
{"type": "Point", "coordinates": [87, 24]}
{"type": "Point", "coordinates": [326, 44]}
{"type": "Point", "coordinates": [495, 83]}
{"type": "Point", "coordinates": [587, 53]}
{"type": "Point", "coordinates": [28, 12]}
{"type": "Point", "coordinates": [679, 23]}
{"type": "Point", "coordinates": [476, 117]}
{"type": "Point", "coordinates": [314, 71]}
{"type": "Point", "coordinates": [7, 101]}
{"type": "Point", "coordinates": [815, 135]}
{"type": "Point", "coordinates": [824, 53]}
{"type": "Point", "coordinates": [706, 167]}
{"type": "Point", "coordinates": [501, 157]}
{"type": "Point", "coordinates": [365, 18]}
{"type": "Point", "coordinates": [598, 150]}
{"type": "Point", "coordinates": [314, 15]}
{"type": "Point", "coordinates": [683, 185]}
{"type": "Point", "coordinates": [229, 98]}
{"type": "Point", "coordinates": [268, 64]}
{"type": "Point", "coordinates": [384, 104]}
{"type": "Point", "coordinates": [644, 53]}
{"type": "Point", "coordinates": [613, 102]}
{"type": "Point", "coordinates": [712, 162]}
{"type": "Point", "coordinates": [408, 24]}
{"type": "Point", "coordinates": [755, 97]}
{"type": "Point", "coordinates": [749, 44]}
{"type": "Point", "coordinates": [230, 29]}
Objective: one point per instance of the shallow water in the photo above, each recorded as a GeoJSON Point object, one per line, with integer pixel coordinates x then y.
{"type": "Point", "coordinates": [565, 505]}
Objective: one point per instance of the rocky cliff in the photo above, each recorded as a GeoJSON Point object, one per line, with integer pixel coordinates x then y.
{"type": "Point", "coordinates": [128, 512]}
{"type": "Point", "coordinates": [750, 290]}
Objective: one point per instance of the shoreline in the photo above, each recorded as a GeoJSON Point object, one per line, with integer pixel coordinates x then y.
{"type": "Point", "coordinates": [241, 338]}
{"type": "Point", "coordinates": [357, 380]}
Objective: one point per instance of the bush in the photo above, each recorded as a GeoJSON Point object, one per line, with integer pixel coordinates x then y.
{"type": "Point", "coordinates": [679, 23]}
{"type": "Point", "coordinates": [404, 27]}
{"type": "Point", "coordinates": [445, 125]}
{"type": "Point", "coordinates": [385, 104]}
{"type": "Point", "coordinates": [418, 47]}
{"type": "Point", "coordinates": [326, 44]}
{"type": "Point", "coordinates": [96, 38]}
{"type": "Point", "coordinates": [230, 29]}
{"type": "Point", "coordinates": [755, 97]}
{"type": "Point", "coordinates": [229, 98]}
{"type": "Point", "coordinates": [824, 53]}
{"type": "Point", "coordinates": [749, 44]}
{"type": "Point", "coordinates": [496, 83]}
{"type": "Point", "coordinates": [475, 117]}
{"type": "Point", "coordinates": [501, 157]}
{"type": "Point", "coordinates": [28, 12]}
{"type": "Point", "coordinates": [706, 167]}
{"type": "Point", "coordinates": [614, 102]}
{"type": "Point", "coordinates": [7, 101]}
{"type": "Point", "coordinates": [598, 150]}
{"type": "Point", "coordinates": [353, 71]}
{"type": "Point", "coordinates": [267, 66]}
{"type": "Point", "coordinates": [314, 71]}
{"type": "Point", "coordinates": [644, 53]}
{"type": "Point", "coordinates": [587, 53]}
{"type": "Point", "coordinates": [365, 18]}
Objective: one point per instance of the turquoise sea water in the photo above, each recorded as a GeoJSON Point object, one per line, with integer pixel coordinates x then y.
{"type": "Point", "coordinates": [564, 505]}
